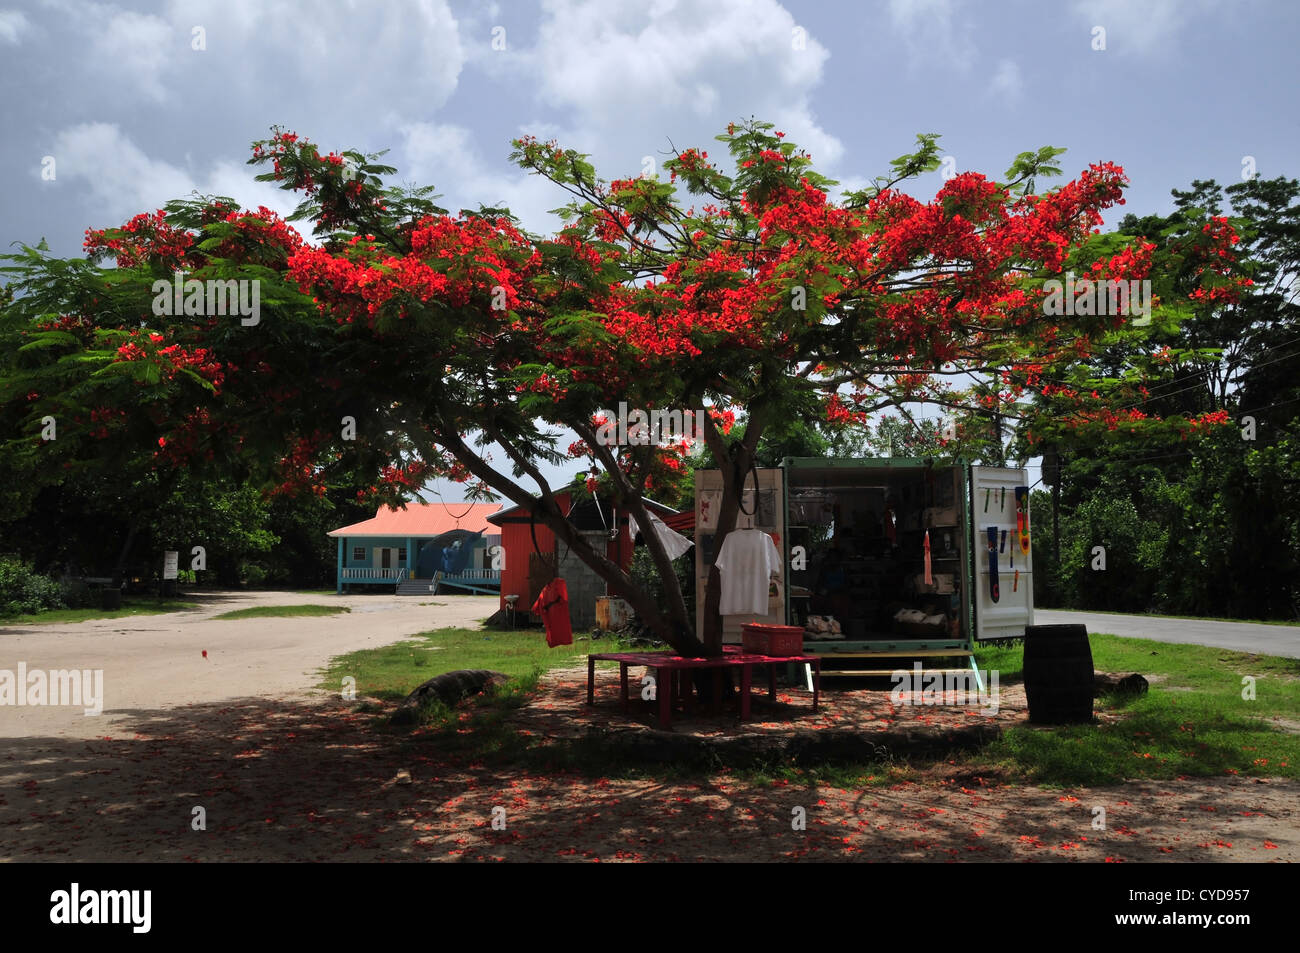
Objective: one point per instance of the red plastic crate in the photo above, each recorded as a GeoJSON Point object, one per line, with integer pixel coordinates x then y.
{"type": "Point", "coordinates": [776, 640]}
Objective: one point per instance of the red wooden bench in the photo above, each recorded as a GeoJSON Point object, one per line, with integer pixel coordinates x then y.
{"type": "Point", "coordinates": [678, 669]}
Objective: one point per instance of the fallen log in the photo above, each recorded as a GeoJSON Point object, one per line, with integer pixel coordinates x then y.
{"type": "Point", "coordinates": [1133, 684]}
{"type": "Point", "coordinates": [449, 688]}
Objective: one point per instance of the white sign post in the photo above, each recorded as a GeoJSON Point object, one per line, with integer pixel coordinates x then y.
{"type": "Point", "coordinates": [171, 561]}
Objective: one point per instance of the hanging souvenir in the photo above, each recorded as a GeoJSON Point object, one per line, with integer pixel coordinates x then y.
{"type": "Point", "coordinates": [1022, 517]}
{"type": "Point", "coordinates": [929, 578]}
{"type": "Point", "coordinates": [707, 506]}
{"type": "Point", "coordinates": [993, 563]}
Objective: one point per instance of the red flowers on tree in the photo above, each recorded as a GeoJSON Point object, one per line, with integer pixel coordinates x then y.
{"type": "Point", "coordinates": [431, 331]}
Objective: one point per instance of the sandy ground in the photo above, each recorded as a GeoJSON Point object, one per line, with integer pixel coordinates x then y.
{"type": "Point", "coordinates": [280, 773]}
{"type": "Point", "coordinates": [156, 661]}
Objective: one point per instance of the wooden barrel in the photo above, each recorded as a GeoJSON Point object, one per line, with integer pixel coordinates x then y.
{"type": "Point", "coordinates": [1058, 674]}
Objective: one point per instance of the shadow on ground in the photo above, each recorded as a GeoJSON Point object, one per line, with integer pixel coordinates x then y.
{"type": "Point", "coordinates": [318, 781]}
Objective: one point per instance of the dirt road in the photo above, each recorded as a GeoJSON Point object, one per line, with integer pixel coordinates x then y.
{"type": "Point", "coordinates": [153, 662]}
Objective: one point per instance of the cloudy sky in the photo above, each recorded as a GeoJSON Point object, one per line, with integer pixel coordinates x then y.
{"type": "Point", "coordinates": [133, 114]}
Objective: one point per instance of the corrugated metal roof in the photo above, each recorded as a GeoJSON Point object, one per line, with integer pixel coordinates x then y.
{"type": "Point", "coordinates": [681, 522]}
{"type": "Point", "coordinates": [423, 519]}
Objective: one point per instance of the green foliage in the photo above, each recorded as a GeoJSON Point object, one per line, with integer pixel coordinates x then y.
{"type": "Point", "coordinates": [1199, 523]}
{"type": "Point", "coordinates": [907, 436]}
{"type": "Point", "coordinates": [251, 575]}
{"type": "Point", "coordinates": [76, 594]}
{"type": "Point", "coordinates": [644, 573]}
{"type": "Point", "coordinates": [1108, 525]}
{"type": "Point", "coordinates": [130, 607]}
{"type": "Point", "coordinates": [23, 590]}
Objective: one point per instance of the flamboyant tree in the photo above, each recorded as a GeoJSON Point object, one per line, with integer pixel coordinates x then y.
{"type": "Point", "coordinates": [406, 340]}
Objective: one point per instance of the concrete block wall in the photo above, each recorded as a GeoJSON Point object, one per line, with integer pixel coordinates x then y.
{"type": "Point", "coordinates": [584, 586]}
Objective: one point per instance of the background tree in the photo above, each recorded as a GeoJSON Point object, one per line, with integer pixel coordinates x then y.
{"type": "Point", "coordinates": [1197, 522]}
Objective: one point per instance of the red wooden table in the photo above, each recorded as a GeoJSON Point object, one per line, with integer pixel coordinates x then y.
{"type": "Point", "coordinates": [678, 668]}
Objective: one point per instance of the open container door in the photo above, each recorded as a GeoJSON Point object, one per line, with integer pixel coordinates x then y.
{"type": "Point", "coordinates": [768, 514]}
{"type": "Point", "coordinates": [993, 504]}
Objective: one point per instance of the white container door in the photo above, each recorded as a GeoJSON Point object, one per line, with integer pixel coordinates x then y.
{"type": "Point", "coordinates": [766, 513]}
{"type": "Point", "coordinates": [993, 506]}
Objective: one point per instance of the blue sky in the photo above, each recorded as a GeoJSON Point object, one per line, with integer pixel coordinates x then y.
{"type": "Point", "coordinates": [133, 115]}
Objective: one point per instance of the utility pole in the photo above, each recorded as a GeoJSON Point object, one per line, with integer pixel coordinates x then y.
{"type": "Point", "coordinates": [1052, 477]}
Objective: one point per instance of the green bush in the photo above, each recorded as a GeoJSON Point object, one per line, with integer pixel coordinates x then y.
{"type": "Point", "coordinates": [644, 573]}
{"type": "Point", "coordinates": [23, 590]}
{"type": "Point", "coordinates": [252, 575]}
{"type": "Point", "coordinates": [75, 594]}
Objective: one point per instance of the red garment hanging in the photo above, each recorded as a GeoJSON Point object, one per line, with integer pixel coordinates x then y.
{"type": "Point", "coordinates": [553, 606]}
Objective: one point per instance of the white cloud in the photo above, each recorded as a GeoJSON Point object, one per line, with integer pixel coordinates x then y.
{"type": "Point", "coordinates": [122, 180]}
{"type": "Point", "coordinates": [932, 33]}
{"type": "Point", "coordinates": [1139, 27]}
{"type": "Point", "coordinates": [606, 61]}
{"type": "Point", "coordinates": [446, 156]}
{"type": "Point", "coordinates": [1007, 83]}
{"type": "Point", "coordinates": [342, 55]}
{"type": "Point", "coordinates": [12, 25]}
{"type": "Point", "coordinates": [137, 48]}
{"type": "Point", "coordinates": [630, 79]}
{"type": "Point", "coordinates": [361, 55]}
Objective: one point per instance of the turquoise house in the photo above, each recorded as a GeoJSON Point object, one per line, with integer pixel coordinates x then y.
{"type": "Point", "coordinates": [422, 549]}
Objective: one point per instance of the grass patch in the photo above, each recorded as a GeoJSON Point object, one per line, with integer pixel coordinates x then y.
{"type": "Point", "coordinates": [392, 672]}
{"type": "Point", "coordinates": [276, 612]}
{"type": "Point", "coordinates": [481, 727]}
{"type": "Point", "coordinates": [130, 607]}
{"type": "Point", "coordinates": [1193, 722]}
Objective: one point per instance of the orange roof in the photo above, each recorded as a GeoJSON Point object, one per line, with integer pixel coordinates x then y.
{"type": "Point", "coordinates": [423, 519]}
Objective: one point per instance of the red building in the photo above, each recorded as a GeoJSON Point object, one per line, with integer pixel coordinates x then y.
{"type": "Point", "coordinates": [533, 556]}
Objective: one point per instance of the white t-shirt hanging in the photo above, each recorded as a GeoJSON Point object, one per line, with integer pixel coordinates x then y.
{"type": "Point", "coordinates": [746, 562]}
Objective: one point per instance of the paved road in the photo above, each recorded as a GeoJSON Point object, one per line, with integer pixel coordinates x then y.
{"type": "Point", "coordinates": [156, 661]}
{"type": "Point", "coordinates": [1239, 636]}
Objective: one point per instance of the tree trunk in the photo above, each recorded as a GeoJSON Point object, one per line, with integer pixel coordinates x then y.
{"type": "Point", "coordinates": [734, 463]}
{"type": "Point", "coordinates": [545, 510]}
{"type": "Point", "coordinates": [119, 568]}
{"type": "Point", "coordinates": [672, 625]}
